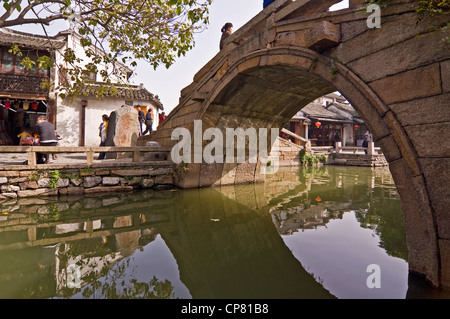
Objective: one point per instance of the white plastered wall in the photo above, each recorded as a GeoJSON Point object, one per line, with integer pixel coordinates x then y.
{"type": "Point", "coordinates": [68, 118]}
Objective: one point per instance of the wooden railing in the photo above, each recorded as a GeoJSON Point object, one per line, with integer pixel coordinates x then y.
{"type": "Point", "coordinates": [27, 84]}
{"type": "Point", "coordinates": [88, 151]}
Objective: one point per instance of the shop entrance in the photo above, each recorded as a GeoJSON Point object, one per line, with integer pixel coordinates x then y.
{"type": "Point", "coordinates": [18, 119]}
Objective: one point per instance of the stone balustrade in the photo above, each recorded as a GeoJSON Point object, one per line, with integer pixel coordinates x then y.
{"type": "Point", "coordinates": [150, 153]}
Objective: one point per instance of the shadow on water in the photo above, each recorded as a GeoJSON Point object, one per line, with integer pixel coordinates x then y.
{"type": "Point", "coordinates": [229, 242]}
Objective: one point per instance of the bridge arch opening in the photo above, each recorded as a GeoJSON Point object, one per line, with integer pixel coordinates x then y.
{"type": "Point", "coordinates": [266, 88]}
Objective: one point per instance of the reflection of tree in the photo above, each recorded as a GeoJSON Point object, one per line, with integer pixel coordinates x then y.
{"type": "Point", "coordinates": [22, 278]}
{"type": "Point", "coordinates": [105, 273]}
{"type": "Point", "coordinates": [387, 222]}
{"type": "Point", "coordinates": [115, 285]}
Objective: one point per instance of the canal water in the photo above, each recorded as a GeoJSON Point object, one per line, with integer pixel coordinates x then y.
{"type": "Point", "coordinates": [327, 232]}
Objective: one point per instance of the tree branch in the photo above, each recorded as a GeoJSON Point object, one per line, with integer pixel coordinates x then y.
{"type": "Point", "coordinates": [12, 7]}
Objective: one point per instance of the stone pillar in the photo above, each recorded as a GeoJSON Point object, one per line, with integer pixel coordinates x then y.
{"type": "Point", "coordinates": [89, 226]}
{"type": "Point", "coordinates": [127, 126]}
{"type": "Point", "coordinates": [123, 130]}
{"type": "Point", "coordinates": [306, 126]}
{"type": "Point", "coordinates": [308, 147]}
{"type": "Point", "coordinates": [371, 148]}
{"type": "Point", "coordinates": [111, 132]}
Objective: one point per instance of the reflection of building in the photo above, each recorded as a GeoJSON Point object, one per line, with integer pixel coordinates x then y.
{"type": "Point", "coordinates": [326, 116]}
{"type": "Point", "coordinates": [329, 193]}
{"type": "Point", "coordinates": [26, 93]}
{"type": "Point", "coordinates": [290, 221]}
{"type": "Point", "coordinates": [57, 246]}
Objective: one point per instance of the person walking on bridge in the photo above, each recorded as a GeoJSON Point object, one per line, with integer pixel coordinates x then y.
{"type": "Point", "coordinates": [148, 122]}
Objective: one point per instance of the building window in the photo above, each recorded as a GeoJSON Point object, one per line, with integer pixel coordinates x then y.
{"type": "Point", "coordinates": [11, 63]}
{"type": "Point", "coordinates": [7, 61]}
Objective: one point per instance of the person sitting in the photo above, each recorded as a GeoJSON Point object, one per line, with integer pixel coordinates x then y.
{"type": "Point", "coordinates": [47, 137]}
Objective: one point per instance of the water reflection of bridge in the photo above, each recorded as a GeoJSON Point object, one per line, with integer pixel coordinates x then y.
{"type": "Point", "coordinates": [295, 206]}
{"type": "Point", "coordinates": [39, 239]}
{"type": "Point", "coordinates": [225, 259]}
{"type": "Point", "coordinates": [54, 222]}
{"type": "Point", "coordinates": [224, 240]}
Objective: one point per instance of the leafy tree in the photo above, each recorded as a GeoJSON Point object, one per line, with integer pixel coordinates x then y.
{"type": "Point", "coordinates": [156, 31]}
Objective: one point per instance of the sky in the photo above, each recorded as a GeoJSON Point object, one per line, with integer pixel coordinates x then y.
{"type": "Point", "coordinates": [168, 83]}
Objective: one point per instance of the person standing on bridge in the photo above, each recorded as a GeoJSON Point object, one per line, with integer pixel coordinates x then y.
{"type": "Point", "coordinates": [162, 117]}
{"type": "Point", "coordinates": [367, 139]}
{"type": "Point", "coordinates": [226, 30]}
{"type": "Point", "coordinates": [267, 2]}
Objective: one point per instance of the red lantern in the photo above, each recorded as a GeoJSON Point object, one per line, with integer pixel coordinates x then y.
{"type": "Point", "coordinates": [318, 199]}
{"type": "Point", "coordinates": [7, 104]}
{"type": "Point", "coordinates": [318, 124]}
{"type": "Point", "coordinates": [34, 106]}
{"type": "Point", "coordinates": [356, 127]}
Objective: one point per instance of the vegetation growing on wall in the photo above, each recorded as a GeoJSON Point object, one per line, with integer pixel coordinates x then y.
{"type": "Point", "coordinates": [311, 160]}
{"type": "Point", "coordinates": [433, 7]}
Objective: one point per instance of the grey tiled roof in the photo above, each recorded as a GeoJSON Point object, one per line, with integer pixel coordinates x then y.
{"type": "Point", "coordinates": [348, 108]}
{"type": "Point", "coordinates": [11, 37]}
{"type": "Point", "coordinates": [318, 111]}
{"type": "Point", "coordinates": [132, 92]}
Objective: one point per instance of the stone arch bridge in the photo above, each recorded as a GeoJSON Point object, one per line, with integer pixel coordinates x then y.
{"type": "Point", "coordinates": [397, 77]}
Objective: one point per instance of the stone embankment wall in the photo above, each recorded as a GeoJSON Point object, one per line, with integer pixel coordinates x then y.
{"type": "Point", "coordinates": [288, 153]}
{"type": "Point", "coordinates": [60, 182]}
{"type": "Point", "coordinates": [357, 160]}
